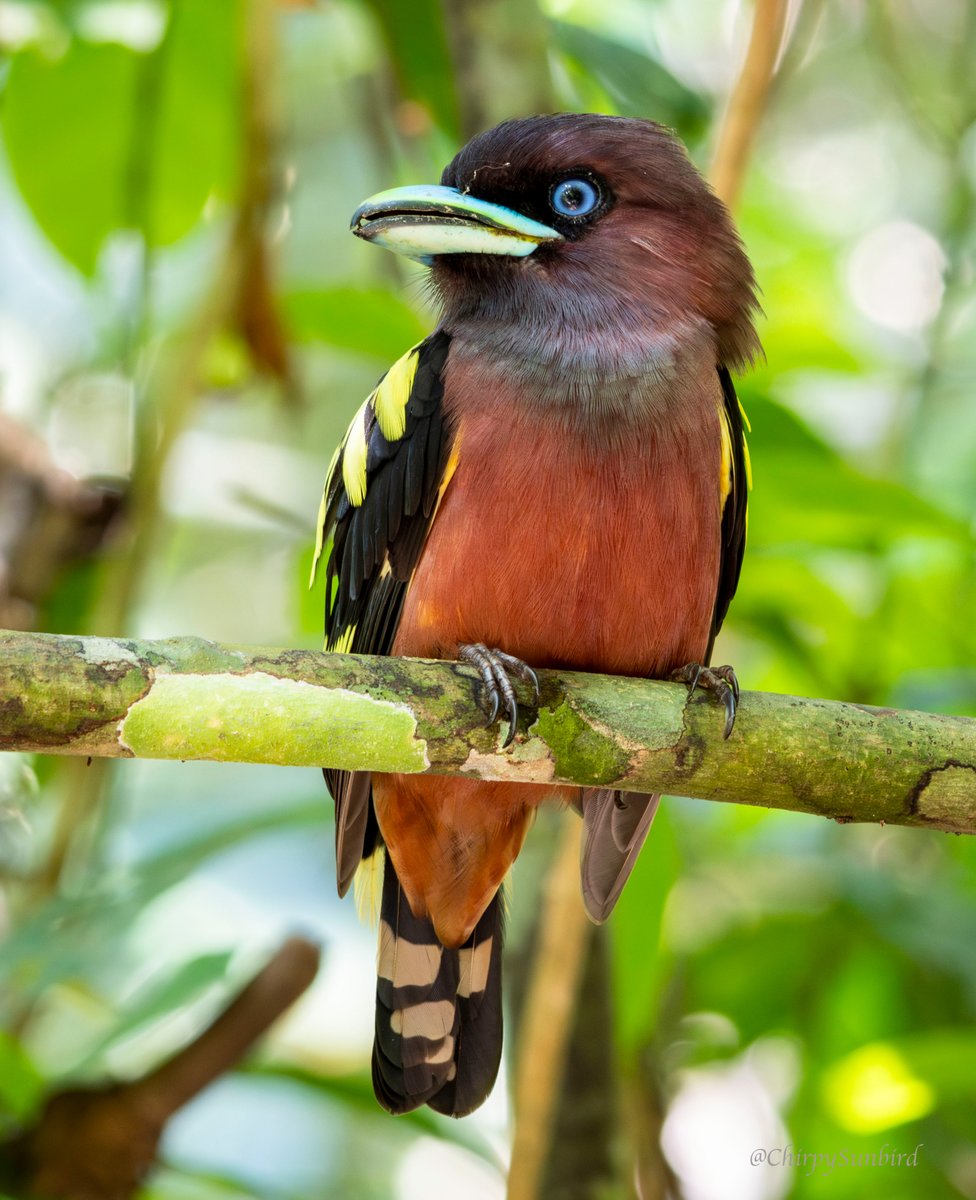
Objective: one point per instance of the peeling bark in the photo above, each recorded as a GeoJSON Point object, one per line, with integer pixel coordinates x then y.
{"type": "Point", "coordinates": [185, 698]}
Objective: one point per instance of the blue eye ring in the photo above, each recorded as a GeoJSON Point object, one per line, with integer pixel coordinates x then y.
{"type": "Point", "coordinates": [576, 198]}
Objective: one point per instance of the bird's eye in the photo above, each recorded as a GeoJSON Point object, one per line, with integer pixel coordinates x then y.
{"type": "Point", "coordinates": [575, 198]}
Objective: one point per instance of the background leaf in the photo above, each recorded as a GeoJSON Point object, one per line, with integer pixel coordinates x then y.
{"type": "Point", "coordinates": [101, 137]}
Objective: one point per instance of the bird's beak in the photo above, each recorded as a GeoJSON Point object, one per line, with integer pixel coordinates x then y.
{"type": "Point", "coordinates": [425, 221]}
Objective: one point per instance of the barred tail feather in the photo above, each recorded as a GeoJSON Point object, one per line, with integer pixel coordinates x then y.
{"type": "Point", "coordinates": [438, 1010]}
{"type": "Point", "coordinates": [479, 1001]}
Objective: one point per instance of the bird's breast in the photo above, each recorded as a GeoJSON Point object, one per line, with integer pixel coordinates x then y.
{"type": "Point", "coordinates": [596, 550]}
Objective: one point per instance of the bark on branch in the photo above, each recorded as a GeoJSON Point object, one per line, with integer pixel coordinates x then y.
{"type": "Point", "coordinates": [185, 698]}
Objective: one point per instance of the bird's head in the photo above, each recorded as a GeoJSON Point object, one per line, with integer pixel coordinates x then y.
{"type": "Point", "coordinates": [595, 224]}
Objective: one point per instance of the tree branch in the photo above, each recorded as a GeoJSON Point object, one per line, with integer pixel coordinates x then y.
{"type": "Point", "coordinates": [547, 1019]}
{"type": "Point", "coordinates": [185, 698]}
{"type": "Point", "coordinates": [748, 100]}
{"type": "Point", "coordinates": [98, 1143]}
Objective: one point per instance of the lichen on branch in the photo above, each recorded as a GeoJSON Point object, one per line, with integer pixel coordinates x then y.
{"type": "Point", "coordinates": [185, 698]}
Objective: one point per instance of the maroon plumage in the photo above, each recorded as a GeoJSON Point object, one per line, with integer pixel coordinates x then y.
{"type": "Point", "coordinates": [568, 487]}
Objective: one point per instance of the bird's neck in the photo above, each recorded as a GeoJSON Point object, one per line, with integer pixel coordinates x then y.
{"type": "Point", "coordinates": [588, 374]}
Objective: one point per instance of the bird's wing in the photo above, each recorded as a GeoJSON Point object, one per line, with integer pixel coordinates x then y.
{"type": "Point", "coordinates": [380, 495]}
{"type": "Point", "coordinates": [616, 823]}
{"type": "Point", "coordinates": [735, 482]}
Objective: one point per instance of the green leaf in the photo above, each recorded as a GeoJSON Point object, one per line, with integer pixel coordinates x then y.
{"type": "Point", "coordinates": [67, 124]}
{"type": "Point", "coordinates": [803, 346]}
{"type": "Point", "coordinates": [70, 935]}
{"type": "Point", "coordinates": [416, 36]}
{"type": "Point", "coordinates": [104, 138]}
{"type": "Point", "coordinates": [170, 1183]}
{"type": "Point", "coordinates": [639, 965]}
{"type": "Point", "coordinates": [310, 601]}
{"type": "Point", "coordinates": [368, 321]}
{"type": "Point", "coordinates": [355, 1093]}
{"type": "Point", "coordinates": [724, 977]}
{"type": "Point", "coordinates": [21, 1085]}
{"type": "Point", "coordinates": [638, 85]}
{"type": "Point", "coordinates": [195, 138]}
{"type": "Point", "coordinates": [174, 992]}
{"type": "Point", "coordinates": [805, 492]}
{"type": "Point", "coordinates": [884, 1084]}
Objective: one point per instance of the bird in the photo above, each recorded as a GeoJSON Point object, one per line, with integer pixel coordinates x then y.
{"type": "Point", "coordinates": [556, 477]}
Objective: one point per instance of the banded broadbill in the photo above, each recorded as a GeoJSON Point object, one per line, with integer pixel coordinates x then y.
{"type": "Point", "coordinates": [555, 477]}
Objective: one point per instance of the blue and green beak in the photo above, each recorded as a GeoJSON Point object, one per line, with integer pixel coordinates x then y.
{"type": "Point", "coordinates": [425, 221]}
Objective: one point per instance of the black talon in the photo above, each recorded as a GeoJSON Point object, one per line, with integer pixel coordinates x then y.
{"type": "Point", "coordinates": [728, 675]}
{"type": "Point", "coordinates": [477, 655]}
{"type": "Point", "coordinates": [720, 680]}
{"type": "Point", "coordinates": [690, 674]}
{"type": "Point", "coordinates": [494, 667]}
{"type": "Point", "coordinates": [505, 686]}
{"type": "Point", "coordinates": [728, 697]}
{"type": "Point", "coordinates": [520, 669]}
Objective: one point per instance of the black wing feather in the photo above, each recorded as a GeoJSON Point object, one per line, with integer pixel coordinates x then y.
{"type": "Point", "coordinates": [734, 513]}
{"type": "Point", "coordinates": [402, 480]}
{"type": "Point", "coordinates": [375, 548]}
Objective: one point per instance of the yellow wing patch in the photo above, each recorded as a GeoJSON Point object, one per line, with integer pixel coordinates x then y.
{"type": "Point", "coordinates": [319, 537]}
{"type": "Point", "coordinates": [393, 394]}
{"type": "Point", "coordinates": [389, 402]}
{"type": "Point", "coordinates": [450, 467]}
{"type": "Point", "coordinates": [343, 643]}
{"type": "Point", "coordinates": [368, 886]}
{"type": "Point", "coordinates": [746, 457]}
{"type": "Point", "coordinates": [727, 467]}
{"type": "Point", "coordinates": [354, 459]}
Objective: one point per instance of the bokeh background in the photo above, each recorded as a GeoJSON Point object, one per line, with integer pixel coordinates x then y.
{"type": "Point", "coordinates": [186, 328]}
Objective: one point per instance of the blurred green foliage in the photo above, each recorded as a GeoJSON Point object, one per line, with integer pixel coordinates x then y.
{"type": "Point", "coordinates": [779, 981]}
{"type": "Point", "coordinates": [102, 137]}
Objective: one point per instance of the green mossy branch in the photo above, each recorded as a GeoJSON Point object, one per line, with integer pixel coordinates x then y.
{"type": "Point", "coordinates": [185, 698]}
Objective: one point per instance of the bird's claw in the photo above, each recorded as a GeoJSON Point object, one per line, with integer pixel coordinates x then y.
{"type": "Point", "coordinates": [495, 668]}
{"type": "Point", "coordinates": [720, 680]}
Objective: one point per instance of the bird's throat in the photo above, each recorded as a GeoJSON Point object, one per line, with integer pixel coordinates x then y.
{"type": "Point", "coordinates": [587, 376]}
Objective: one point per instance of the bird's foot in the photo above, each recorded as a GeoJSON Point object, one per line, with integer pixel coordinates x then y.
{"type": "Point", "coordinates": [496, 669]}
{"type": "Point", "coordinates": [720, 680]}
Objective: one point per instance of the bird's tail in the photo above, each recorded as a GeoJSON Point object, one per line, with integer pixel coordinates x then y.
{"type": "Point", "coordinates": [438, 1010]}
